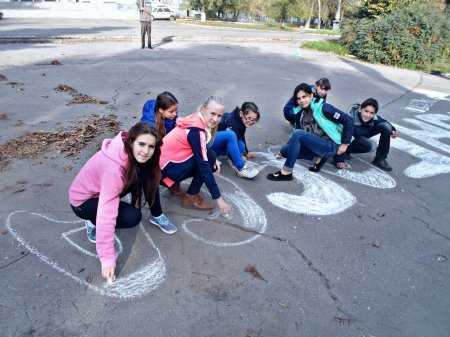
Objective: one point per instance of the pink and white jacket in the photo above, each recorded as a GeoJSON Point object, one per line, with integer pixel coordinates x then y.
{"type": "Point", "coordinates": [103, 177]}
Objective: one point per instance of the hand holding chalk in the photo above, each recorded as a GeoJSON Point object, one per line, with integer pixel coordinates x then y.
{"type": "Point", "coordinates": [109, 274]}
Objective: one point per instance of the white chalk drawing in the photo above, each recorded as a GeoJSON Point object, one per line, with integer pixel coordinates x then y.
{"type": "Point", "coordinates": [440, 120]}
{"type": "Point", "coordinates": [373, 177]}
{"type": "Point", "coordinates": [420, 105]}
{"type": "Point", "coordinates": [66, 236]}
{"type": "Point", "coordinates": [426, 133]}
{"type": "Point", "coordinates": [253, 216]}
{"type": "Point", "coordinates": [321, 196]}
{"type": "Point", "coordinates": [431, 164]}
{"type": "Point", "coordinates": [136, 284]}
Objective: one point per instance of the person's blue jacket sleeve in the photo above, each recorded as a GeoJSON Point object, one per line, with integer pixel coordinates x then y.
{"type": "Point", "coordinates": [340, 117]}
{"type": "Point", "coordinates": [288, 110]}
{"type": "Point", "coordinates": [201, 159]}
{"type": "Point", "coordinates": [148, 112]}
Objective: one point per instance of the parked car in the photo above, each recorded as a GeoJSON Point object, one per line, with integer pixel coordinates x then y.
{"type": "Point", "coordinates": [163, 13]}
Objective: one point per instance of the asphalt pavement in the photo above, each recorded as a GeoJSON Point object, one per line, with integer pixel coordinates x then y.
{"type": "Point", "coordinates": [339, 253]}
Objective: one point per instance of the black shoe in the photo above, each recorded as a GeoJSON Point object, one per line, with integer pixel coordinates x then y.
{"type": "Point", "coordinates": [318, 166]}
{"type": "Point", "coordinates": [150, 47]}
{"type": "Point", "coordinates": [382, 164]}
{"type": "Point", "coordinates": [277, 176]}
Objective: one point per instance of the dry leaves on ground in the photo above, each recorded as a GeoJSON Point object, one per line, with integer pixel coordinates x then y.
{"type": "Point", "coordinates": [55, 62]}
{"type": "Point", "coordinates": [3, 78]}
{"type": "Point", "coordinates": [78, 98]}
{"type": "Point", "coordinates": [3, 116]}
{"type": "Point", "coordinates": [70, 142]}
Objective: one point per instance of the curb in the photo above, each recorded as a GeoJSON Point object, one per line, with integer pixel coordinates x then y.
{"type": "Point", "coordinates": [81, 39]}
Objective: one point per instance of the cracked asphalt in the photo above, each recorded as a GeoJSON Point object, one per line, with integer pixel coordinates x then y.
{"type": "Point", "coordinates": [377, 268]}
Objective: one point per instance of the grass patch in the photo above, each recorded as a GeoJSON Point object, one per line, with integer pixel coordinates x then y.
{"type": "Point", "coordinates": [322, 31]}
{"type": "Point", "coordinates": [327, 46]}
{"type": "Point", "coordinates": [438, 68]}
{"type": "Point", "coordinates": [258, 26]}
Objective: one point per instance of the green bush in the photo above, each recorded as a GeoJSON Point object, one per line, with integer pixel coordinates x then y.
{"type": "Point", "coordinates": [418, 34]}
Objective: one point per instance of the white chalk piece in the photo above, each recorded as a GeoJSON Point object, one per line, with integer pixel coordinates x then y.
{"type": "Point", "coordinates": [136, 284]}
{"type": "Point", "coordinates": [321, 196]}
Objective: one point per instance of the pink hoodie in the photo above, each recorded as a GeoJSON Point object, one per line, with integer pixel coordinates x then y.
{"type": "Point", "coordinates": [176, 148]}
{"type": "Point", "coordinates": [103, 177]}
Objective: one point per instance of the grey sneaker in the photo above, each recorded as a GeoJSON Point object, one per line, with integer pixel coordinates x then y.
{"type": "Point", "coordinates": [164, 224]}
{"type": "Point", "coordinates": [247, 172]}
{"type": "Point", "coordinates": [90, 230]}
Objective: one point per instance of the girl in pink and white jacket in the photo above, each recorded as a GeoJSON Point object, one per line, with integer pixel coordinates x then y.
{"type": "Point", "coordinates": [128, 163]}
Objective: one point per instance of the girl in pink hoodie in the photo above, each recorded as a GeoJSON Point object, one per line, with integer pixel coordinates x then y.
{"type": "Point", "coordinates": [128, 163]}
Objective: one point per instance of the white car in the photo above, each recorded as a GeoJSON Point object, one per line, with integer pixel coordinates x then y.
{"type": "Point", "coordinates": [163, 13]}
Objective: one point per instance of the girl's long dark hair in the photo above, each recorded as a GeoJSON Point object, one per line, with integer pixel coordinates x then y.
{"type": "Point", "coordinates": [142, 179]}
{"type": "Point", "coordinates": [164, 101]}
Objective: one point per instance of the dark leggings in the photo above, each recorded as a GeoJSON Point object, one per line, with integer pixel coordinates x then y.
{"type": "Point", "coordinates": [129, 216]}
{"type": "Point", "coordinates": [155, 208]}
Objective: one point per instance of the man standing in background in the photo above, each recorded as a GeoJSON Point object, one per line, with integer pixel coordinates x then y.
{"type": "Point", "coordinates": [145, 16]}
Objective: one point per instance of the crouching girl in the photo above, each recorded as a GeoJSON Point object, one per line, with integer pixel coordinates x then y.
{"type": "Point", "coordinates": [184, 154]}
{"type": "Point", "coordinates": [230, 138]}
{"type": "Point", "coordinates": [128, 163]}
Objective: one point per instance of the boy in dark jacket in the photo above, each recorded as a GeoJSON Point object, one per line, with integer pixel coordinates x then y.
{"type": "Point", "coordinates": [320, 90]}
{"type": "Point", "coordinates": [367, 124]}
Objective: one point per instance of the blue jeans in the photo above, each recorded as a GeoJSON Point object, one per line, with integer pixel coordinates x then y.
{"type": "Point", "coordinates": [188, 169]}
{"type": "Point", "coordinates": [227, 144]}
{"type": "Point", "coordinates": [306, 145]}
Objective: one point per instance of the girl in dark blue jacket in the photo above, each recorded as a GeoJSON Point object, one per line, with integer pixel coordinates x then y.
{"type": "Point", "coordinates": [161, 114]}
{"type": "Point", "coordinates": [230, 141]}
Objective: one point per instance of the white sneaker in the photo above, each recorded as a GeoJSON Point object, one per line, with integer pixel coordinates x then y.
{"type": "Point", "coordinates": [247, 172]}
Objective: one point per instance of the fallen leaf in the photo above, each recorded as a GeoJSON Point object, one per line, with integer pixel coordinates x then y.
{"type": "Point", "coordinates": [3, 231]}
{"type": "Point", "coordinates": [64, 88]}
{"type": "Point", "coordinates": [55, 62]}
{"type": "Point", "coordinates": [251, 269]}
{"type": "Point", "coordinates": [3, 115]}
{"type": "Point", "coordinates": [67, 168]}
{"type": "Point", "coordinates": [3, 78]}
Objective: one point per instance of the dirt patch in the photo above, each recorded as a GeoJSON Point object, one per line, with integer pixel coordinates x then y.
{"type": "Point", "coordinates": [69, 143]}
{"type": "Point", "coordinates": [78, 98]}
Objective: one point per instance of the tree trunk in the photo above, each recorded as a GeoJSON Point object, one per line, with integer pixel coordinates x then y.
{"type": "Point", "coordinates": [308, 22]}
{"type": "Point", "coordinates": [320, 9]}
{"type": "Point", "coordinates": [337, 17]}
